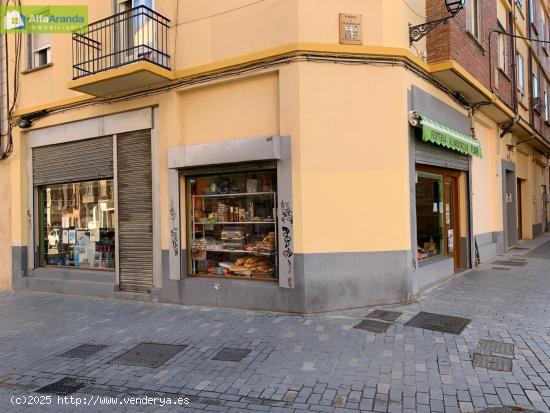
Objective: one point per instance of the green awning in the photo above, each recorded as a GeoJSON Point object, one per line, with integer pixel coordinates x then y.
{"type": "Point", "coordinates": [442, 135]}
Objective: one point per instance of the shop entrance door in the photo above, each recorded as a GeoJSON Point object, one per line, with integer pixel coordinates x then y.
{"type": "Point", "coordinates": [520, 212]}
{"type": "Point", "coordinates": [544, 204]}
{"type": "Point", "coordinates": [451, 233]}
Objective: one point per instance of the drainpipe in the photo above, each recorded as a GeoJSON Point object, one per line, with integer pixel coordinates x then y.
{"type": "Point", "coordinates": [512, 17]}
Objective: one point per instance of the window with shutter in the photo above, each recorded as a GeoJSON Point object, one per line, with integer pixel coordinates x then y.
{"type": "Point", "coordinates": [39, 50]}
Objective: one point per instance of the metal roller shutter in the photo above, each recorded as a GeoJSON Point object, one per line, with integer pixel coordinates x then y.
{"type": "Point", "coordinates": [135, 211]}
{"type": "Point", "coordinates": [73, 161]}
{"type": "Point", "coordinates": [430, 154]}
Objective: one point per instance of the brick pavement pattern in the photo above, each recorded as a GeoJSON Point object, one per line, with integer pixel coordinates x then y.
{"type": "Point", "coordinates": [297, 363]}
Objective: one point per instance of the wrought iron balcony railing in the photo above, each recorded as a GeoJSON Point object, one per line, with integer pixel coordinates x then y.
{"type": "Point", "coordinates": [138, 34]}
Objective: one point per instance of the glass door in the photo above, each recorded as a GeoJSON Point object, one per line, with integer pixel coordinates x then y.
{"type": "Point", "coordinates": [544, 195]}
{"type": "Point", "coordinates": [450, 201]}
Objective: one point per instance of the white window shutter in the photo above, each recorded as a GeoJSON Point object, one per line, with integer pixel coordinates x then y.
{"type": "Point", "coordinates": [40, 41]}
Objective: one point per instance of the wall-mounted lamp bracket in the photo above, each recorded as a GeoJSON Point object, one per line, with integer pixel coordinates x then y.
{"type": "Point", "coordinates": [419, 31]}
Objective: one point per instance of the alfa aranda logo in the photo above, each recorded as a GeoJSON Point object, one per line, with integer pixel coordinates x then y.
{"type": "Point", "coordinates": [43, 19]}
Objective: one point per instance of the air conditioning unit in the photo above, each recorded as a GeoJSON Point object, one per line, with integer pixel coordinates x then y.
{"type": "Point", "coordinates": [538, 104]}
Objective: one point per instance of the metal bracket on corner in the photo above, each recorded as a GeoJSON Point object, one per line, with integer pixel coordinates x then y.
{"type": "Point", "coordinates": [419, 31]}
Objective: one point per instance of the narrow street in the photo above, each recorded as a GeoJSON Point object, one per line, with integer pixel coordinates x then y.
{"type": "Point", "coordinates": [296, 363]}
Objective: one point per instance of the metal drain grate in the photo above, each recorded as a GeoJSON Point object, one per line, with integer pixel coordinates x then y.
{"type": "Point", "coordinates": [439, 322]}
{"type": "Point", "coordinates": [501, 268]}
{"type": "Point", "coordinates": [492, 362]}
{"type": "Point", "coordinates": [84, 351]}
{"type": "Point", "coordinates": [384, 315]}
{"type": "Point", "coordinates": [491, 346]}
{"type": "Point", "coordinates": [149, 355]}
{"type": "Point", "coordinates": [231, 354]}
{"type": "Point", "coordinates": [63, 387]}
{"type": "Point", "coordinates": [373, 326]}
{"type": "Point", "coordinates": [510, 263]}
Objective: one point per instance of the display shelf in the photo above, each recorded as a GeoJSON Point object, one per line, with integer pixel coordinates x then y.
{"type": "Point", "coordinates": [263, 254]}
{"type": "Point", "coordinates": [211, 215]}
{"type": "Point", "coordinates": [234, 195]}
{"type": "Point", "coordinates": [233, 222]}
{"type": "Point", "coordinates": [264, 278]}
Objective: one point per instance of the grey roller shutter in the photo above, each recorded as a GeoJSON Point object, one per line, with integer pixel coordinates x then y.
{"type": "Point", "coordinates": [427, 153]}
{"type": "Point", "coordinates": [135, 211]}
{"type": "Point", "coordinates": [73, 161]}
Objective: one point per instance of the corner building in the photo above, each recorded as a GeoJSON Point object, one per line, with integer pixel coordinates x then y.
{"type": "Point", "coordinates": [286, 155]}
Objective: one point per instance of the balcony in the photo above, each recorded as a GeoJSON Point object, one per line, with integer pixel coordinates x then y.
{"type": "Point", "coordinates": [121, 53]}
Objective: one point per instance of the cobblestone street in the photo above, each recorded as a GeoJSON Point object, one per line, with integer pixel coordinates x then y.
{"type": "Point", "coordinates": [296, 363]}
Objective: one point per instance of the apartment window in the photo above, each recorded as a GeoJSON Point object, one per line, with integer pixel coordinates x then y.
{"type": "Point", "coordinates": [546, 115]}
{"type": "Point", "coordinates": [531, 12]}
{"type": "Point", "coordinates": [502, 50]}
{"type": "Point", "coordinates": [472, 17]}
{"type": "Point", "coordinates": [38, 50]}
{"type": "Point", "coordinates": [124, 5]}
{"type": "Point", "coordinates": [535, 86]}
{"type": "Point", "coordinates": [521, 74]}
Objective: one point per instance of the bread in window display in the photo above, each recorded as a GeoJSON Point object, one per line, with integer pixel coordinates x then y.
{"type": "Point", "coordinates": [252, 265]}
{"type": "Point", "coordinates": [267, 244]}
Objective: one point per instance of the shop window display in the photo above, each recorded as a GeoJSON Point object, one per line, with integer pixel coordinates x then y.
{"type": "Point", "coordinates": [429, 215]}
{"type": "Point", "coordinates": [77, 225]}
{"type": "Point", "coordinates": [232, 225]}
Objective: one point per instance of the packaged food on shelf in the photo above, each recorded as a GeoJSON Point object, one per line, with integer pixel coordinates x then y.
{"type": "Point", "coordinates": [233, 213]}
{"type": "Point", "coordinates": [233, 233]}
{"type": "Point", "coordinates": [199, 249]}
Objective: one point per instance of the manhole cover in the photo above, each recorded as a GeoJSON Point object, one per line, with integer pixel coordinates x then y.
{"type": "Point", "coordinates": [373, 326]}
{"type": "Point", "coordinates": [67, 385]}
{"type": "Point", "coordinates": [438, 322]}
{"type": "Point", "coordinates": [231, 354]}
{"type": "Point", "coordinates": [492, 362]}
{"type": "Point", "coordinates": [384, 315]}
{"type": "Point", "coordinates": [508, 409]}
{"type": "Point", "coordinates": [501, 268]}
{"type": "Point", "coordinates": [491, 346]}
{"type": "Point", "coordinates": [83, 351]}
{"type": "Point", "coordinates": [510, 263]}
{"type": "Point", "coordinates": [149, 355]}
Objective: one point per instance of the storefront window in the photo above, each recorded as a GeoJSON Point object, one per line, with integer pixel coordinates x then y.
{"type": "Point", "coordinates": [77, 225]}
{"type": "Point", "coordinates": [232, 225]}
{"type": "Point", "coordinates": [429, 215]}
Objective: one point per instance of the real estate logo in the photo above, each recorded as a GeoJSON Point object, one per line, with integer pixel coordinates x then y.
{"type": "Point", "coordinates": [43, 19]}
{"type": "Point", "coordinates": [14, 20]}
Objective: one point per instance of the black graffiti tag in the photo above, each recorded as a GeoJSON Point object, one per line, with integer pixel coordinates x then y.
{"type": "Point", "coordinates": [286, 213]}
{"type": "Point", "coordinates": [174, 230]}
{"type": "Point", "coordinates": [287, 251]}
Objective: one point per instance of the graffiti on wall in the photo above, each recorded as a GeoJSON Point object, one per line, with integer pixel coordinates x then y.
{"type": "Point", "coordinates": [287, 222]}
{"type": "Point", "coordinates": [29, 220]}
{"type": "Point", "coordinates": [174, 228]}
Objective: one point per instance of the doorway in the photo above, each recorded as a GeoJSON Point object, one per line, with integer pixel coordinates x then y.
{"type": "Point", "coordinates": [544, 203]}
{"type": "Point", "coordinates": [450, 200]}
{"type": "Point", "coordinates": [520, 211]}
{"type": "Point", "coordinates": [510, 215]}
{"type": "Point", "coordinates": [437, 214]}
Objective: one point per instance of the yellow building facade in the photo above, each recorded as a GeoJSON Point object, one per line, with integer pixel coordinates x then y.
{"type": "Point", "coordinates": [249, 154]}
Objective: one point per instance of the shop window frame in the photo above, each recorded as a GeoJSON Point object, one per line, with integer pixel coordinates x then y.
{"type": "Point", "coordinates": [445, 174]}
{"type": "Point", "coordinates": [217, 170]}
{"type": "Point", "coordinates": [39, 233]}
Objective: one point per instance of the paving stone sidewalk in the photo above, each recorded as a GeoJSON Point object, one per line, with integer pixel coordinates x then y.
{"type": "Point", "coordinates": [297, 363]}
